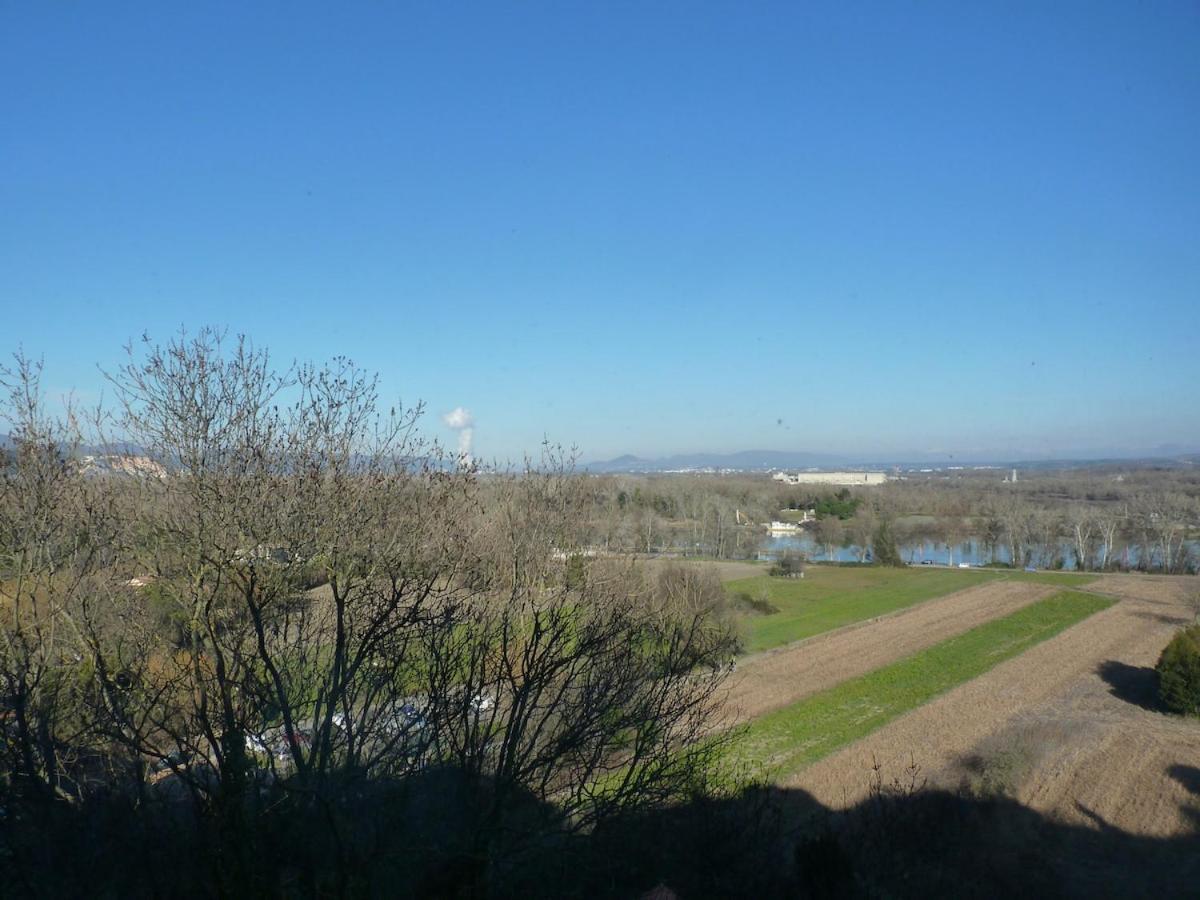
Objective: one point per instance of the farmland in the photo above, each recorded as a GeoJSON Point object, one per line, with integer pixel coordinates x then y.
{"type": "Point", "coordinates": [1011, 687]}
{"type": "Point", "coordinates": [830, 597]}
{"type": "Point", "coordinates": [804, 732]}
{"type": "Point", "coordinates": [787, 674]}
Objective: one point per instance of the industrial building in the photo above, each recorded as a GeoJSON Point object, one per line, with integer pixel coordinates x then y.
{"type": "Point", "coordinates": [849, 479]}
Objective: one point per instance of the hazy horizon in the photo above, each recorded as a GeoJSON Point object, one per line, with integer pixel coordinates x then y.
{"type": "Point", "coordinates": [940, 456]}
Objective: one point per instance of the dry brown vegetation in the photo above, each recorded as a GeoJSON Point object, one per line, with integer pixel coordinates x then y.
{"type": "Point", "coordinates": [162, 646]}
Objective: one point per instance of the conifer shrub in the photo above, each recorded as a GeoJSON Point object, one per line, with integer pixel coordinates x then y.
{"type": "Point", "coordinates": [1179, 672]}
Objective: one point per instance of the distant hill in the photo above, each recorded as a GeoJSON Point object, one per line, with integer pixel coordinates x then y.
{"type": "Point", "coordinates": [745, 460]}
{"type": "Point", "coordinates": [120, 447]}
{"type": "Point", "coordinates": [766, 460]}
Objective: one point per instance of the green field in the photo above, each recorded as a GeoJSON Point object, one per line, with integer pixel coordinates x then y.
{"type": "Point", "coordinates": [792, 737]}
{"type": "Point", "coordinates": [829, 597]}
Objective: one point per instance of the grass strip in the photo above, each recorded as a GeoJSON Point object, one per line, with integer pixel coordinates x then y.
{"type": "Point", "coordinates": [829, 597]}
{"type": "Point", "coordinates": [790, 738]}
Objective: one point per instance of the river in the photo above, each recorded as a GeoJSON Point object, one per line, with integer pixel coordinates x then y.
{"type": "Point", "coordinates": [971, 550]}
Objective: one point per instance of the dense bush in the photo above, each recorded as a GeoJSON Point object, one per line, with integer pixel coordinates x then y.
{"type": "Point", "coordinates": [760, 605]}
{"type": "Point", "coordinates": [789, 565]}
{"type": "Point", "coordinates": [840, 505]}
{"type": "Point", "coordinates": [1179, 672]}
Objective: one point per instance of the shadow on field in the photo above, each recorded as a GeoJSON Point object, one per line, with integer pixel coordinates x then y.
{"type": "Point", "coordinates": [415, 841]}
{"type": "Point", "coordinates": [1165, 618]}
{"type": "Point", "coordinates": [1133, 684]}
{"type": "Point", "coordinates": [931, 844]}
{"type": "Point", "coordinates": [1188, 776]}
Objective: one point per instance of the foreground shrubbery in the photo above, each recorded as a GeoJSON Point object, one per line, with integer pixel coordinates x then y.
{"type": "Point", "coordinates": [1179, 672]}
{"type": "Point", "coordinates": [903, 840]}
{"type": "Point", "coordinates": [291, 648]}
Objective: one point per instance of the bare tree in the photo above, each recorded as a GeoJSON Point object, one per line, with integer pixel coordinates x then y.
{"type": "Point", "coordinates": [1085, 532]}
{"type": "Point", "coordinates": [288, 593]}
{"type": "Point", "coordinates": [1160, 520]}
{"type": "Point", "coordinates": [829, 534]}
{"type": "Point", "coordinates": [1107, 525]}
{"type": "Point", "coordinates": [860, 530]}
{"type": "Point", "coordinates": [954, 532]}
{"type": "Point", "coordinates": [48, 558]}
{"type": "Point", "coordinates": [593, 697]}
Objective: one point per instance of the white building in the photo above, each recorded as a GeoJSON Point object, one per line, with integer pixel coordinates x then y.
{"type": "Point", "coordinates": [849, 479]}
{"type": "Point", "coordinates": [783, 528]}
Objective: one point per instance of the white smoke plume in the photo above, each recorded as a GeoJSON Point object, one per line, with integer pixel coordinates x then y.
{"type": "Point", "coordinates": [460, 419]}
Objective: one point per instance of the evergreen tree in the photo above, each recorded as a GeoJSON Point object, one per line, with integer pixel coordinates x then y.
{"type": "Point", "coordinates": [886, 551]}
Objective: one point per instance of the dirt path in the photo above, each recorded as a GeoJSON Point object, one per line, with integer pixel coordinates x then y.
{"type": "Point", "coordinates": [731, 571]}
{"type": "Point", "coordinates": [784, 675]}
{"type": "Point", "coordinates": [1071, 724]}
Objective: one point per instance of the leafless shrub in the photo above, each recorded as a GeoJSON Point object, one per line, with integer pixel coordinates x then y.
{"type": "Point", "coordinates": [295, 593]}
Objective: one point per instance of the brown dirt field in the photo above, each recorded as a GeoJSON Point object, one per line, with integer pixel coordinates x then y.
{"type": "Point", "coordinates": [1072, 724]}
{"type": "Point", "coordinates": [787, 674]}
{"type": "Point", "coordinates": [731, 571]}
{"type": "Point", "coordinates": [726, 570]}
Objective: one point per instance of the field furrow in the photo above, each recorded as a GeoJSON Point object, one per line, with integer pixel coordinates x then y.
{"type": "Point", "coordinates": [779, 677]}
{"type": "Point", "coordinates": [1074, 719]}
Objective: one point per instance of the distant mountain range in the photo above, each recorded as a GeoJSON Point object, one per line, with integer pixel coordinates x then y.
{"type": "Point", "coordinates": [793, 460]}
{"type": "Point", "coordinates": [746, 460]}
{"type": "Point", "coordinates": [7, 442]}
{"type": "Point", "coordinates": [765, 460]}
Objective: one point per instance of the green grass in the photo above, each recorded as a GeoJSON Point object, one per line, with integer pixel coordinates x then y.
{"type": "Point", "coordinates": [829, 597]}
{"type": "Point", "coordinates": [791, 738]}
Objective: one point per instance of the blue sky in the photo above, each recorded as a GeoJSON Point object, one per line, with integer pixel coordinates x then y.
{"type": "Point", "coordinates": [636, 227]}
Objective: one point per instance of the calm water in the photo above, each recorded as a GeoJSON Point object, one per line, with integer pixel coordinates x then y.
{"type": "Point", "coordinates": [971, 551]}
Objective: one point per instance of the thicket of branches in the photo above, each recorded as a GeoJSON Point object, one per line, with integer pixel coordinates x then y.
{"type": "Point", "coordinates": [291, 647]}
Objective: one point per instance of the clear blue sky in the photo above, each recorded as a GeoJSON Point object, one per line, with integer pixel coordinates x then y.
{"type": "Point", "coordinates": [638, 227]}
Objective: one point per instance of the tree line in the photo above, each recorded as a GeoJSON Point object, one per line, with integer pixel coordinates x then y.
{"type": "Point", "coordinates": [1146, 520]}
